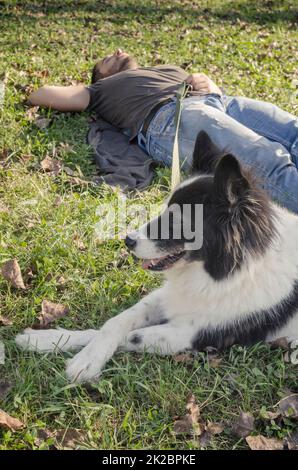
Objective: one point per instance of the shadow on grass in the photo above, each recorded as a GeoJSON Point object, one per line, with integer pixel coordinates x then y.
{"type": "Point", "coordinates": [265, 12]}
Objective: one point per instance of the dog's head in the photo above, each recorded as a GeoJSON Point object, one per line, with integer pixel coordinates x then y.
{"type": "Point", "coordinates": [218, 217]}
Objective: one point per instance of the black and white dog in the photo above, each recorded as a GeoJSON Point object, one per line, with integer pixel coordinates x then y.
{"type": "Point", "coordinates": [240, 287]}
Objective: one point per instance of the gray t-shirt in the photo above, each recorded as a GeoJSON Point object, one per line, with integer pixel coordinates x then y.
{"type": "Point", "coordinates": [126, 98]}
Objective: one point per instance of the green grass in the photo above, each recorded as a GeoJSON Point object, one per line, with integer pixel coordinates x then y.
{"type": "Point", "coordinates": [249, 48]}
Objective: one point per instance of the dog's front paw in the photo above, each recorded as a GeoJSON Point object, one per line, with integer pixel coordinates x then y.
{"type": "Point", "coordinates": [85, 366]}
{"type": "Point", "coordinates": [42, 341]}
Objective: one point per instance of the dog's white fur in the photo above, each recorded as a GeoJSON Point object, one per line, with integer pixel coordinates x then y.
{"type": "Point", "coordinates": [189, 301]}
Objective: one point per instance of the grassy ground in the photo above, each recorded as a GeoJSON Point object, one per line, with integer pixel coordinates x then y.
{"type": "Point", "coordinates": [247, 47]}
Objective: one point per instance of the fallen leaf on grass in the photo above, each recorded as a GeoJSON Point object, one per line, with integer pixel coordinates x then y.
{"type": "Point", "coordinates": [191, 422]}
{"type": "Point", "coordinates": [58, 201]}
{"type": "Point", "coordinates": [214, 361]}
{"type": "Point", "coordinates": [8, 422]}
{"type": "Point", "coordinates": [5, 388]}
{"type": "Point", "coordinates": [68, 171]}
{"type": "Point", "coordinates": [26, 88]}
{"type": "Point", "coordinates": [61, 281]}
{"type": "Point", "coordinates": [69, 438]}
{"type": "Point", "coordinates": [183, 358]}
{"type": "Point", "coordinates": [5, 321]}
{"type": "Point", "coordinates": [214, 428]}
{"type": "Point", "coordinates": [4, 154]}
{"type": "Point", "coordinates": [280, 343]}
{"type": "Point", "coordinates": [51, 165]}
{"type": "Point", "coordinates": [62, 438]}
{"type": "Point", "coordinates": [12, 273]}
{"type": "Point", "coordinates": [40, 73]}
{"type": "Point", "coordinates": [264, 443]}
{"type": "Point", "coordinates": [42, 123]}
{"type": "Point", "coordinates": [79, 243]}
{"type": "Point", "coordinates": [288, 406]}
{"type": "Point", "coordinates": [32, 113]}
{"type": "Point", "coordinates": [51, 312]}
{"type": "Point", "coordinates": [243, 425]}
{"type": "Point", "coordinates": [122, 257]}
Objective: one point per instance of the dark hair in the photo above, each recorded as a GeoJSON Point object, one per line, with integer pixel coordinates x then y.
{"type": "Point", "coordinates": [127, 63]}
{"type": "Point", "coordinates": [96, 74]}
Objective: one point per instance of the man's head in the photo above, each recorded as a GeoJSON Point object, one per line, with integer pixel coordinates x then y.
{"type": "Point", "coordinates": [111, 64]}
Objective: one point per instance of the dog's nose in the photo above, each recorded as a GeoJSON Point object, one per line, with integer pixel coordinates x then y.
{"type": "Point", "coordinates": [130, 242]}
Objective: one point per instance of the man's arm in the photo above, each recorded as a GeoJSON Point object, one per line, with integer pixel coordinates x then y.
{"type": "Point", "coordinates": [69, 98]}
{"type": "Point", "coordinates": [203, 84]}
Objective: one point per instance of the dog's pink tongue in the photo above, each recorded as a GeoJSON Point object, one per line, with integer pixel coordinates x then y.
{"type": "Point", "coordinates": [146, 263]}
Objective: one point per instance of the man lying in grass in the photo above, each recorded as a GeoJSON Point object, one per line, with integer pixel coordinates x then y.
{"type": "Point", "coordinates": [141, 102]}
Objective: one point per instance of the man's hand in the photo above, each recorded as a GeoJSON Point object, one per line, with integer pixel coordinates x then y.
{"type": "Point", "coordinates": [203, 84]}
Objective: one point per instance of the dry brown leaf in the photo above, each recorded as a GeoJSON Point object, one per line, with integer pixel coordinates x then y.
{"type": "Point", "coordinates": [288, 406]}
{"type": "Point", "coordinates": [8, 422]}
{"type": "Point", "coordinates": [43, 435]}
{"type": "Point", "coordinates": [25, 158]}
{"type": "Point", "coordinates": [280, 343]}
{"type": "Point", "coordinates": [214, 361]}
{"type": "Point", "coordinates": [58, 201]}
{"type": "Point", "coordinates": [79, 243]}
{"type": "Point", "coordinates": [243, 425]}
{"type": "Point", "coordinates": [69, 438]}
{"type": "Point", "coordinates": [271, 415]}
{"type": "Point", "coordinates": [4, 154]}
{"type": "Point", "coordinates": [42, 123]}
{"type": "Point", "coordinates": [264, 443]}
{"type": "Point", "coordinates": [205, 439]}
{"type": "Point", "coordinates": [51, 165]}
{"type": "Point", "coordinates": [40, 73]}
{"type": "Point", "coordinates": [5, 321]}
{"type": "Point", "coordinates": [32, 113]}
{"type": "Point", "coordinates": [68, 171]}
{"type": "Point", "coordinates": [61, 281]}
{"type": "Point", "coordinates": [12, 273]}
{"type": "Point", "coordinates": [62, 438]}
{"type": "Point", "coordinates": [183, 358]}
{"type": "Point", "coordinates": [51, 312]}
{"type": "Point", "coordinates": [5, 388]}
{"type": "Point", "coordinates": [191, 423]}
{"type": "Point", "coordinates": [214, 428]}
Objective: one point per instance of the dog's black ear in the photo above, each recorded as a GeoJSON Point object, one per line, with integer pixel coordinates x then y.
{"type": "Point", "coordinates": [229, 181]}
{"type": "Point", "coordinates": [205, 154]}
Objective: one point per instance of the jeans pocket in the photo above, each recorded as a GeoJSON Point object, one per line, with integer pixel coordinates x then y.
{"type": "Point", "coordinates": [158, 153]}
{"type": "Point", "coordinates": [163, 122]}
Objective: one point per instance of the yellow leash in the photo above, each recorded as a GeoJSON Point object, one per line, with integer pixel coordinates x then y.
{"type": "Point", "coordinates": [176, 176]}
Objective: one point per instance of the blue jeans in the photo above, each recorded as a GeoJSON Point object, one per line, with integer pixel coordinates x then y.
{"type": "Point", "coordinates": [262, 136]}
